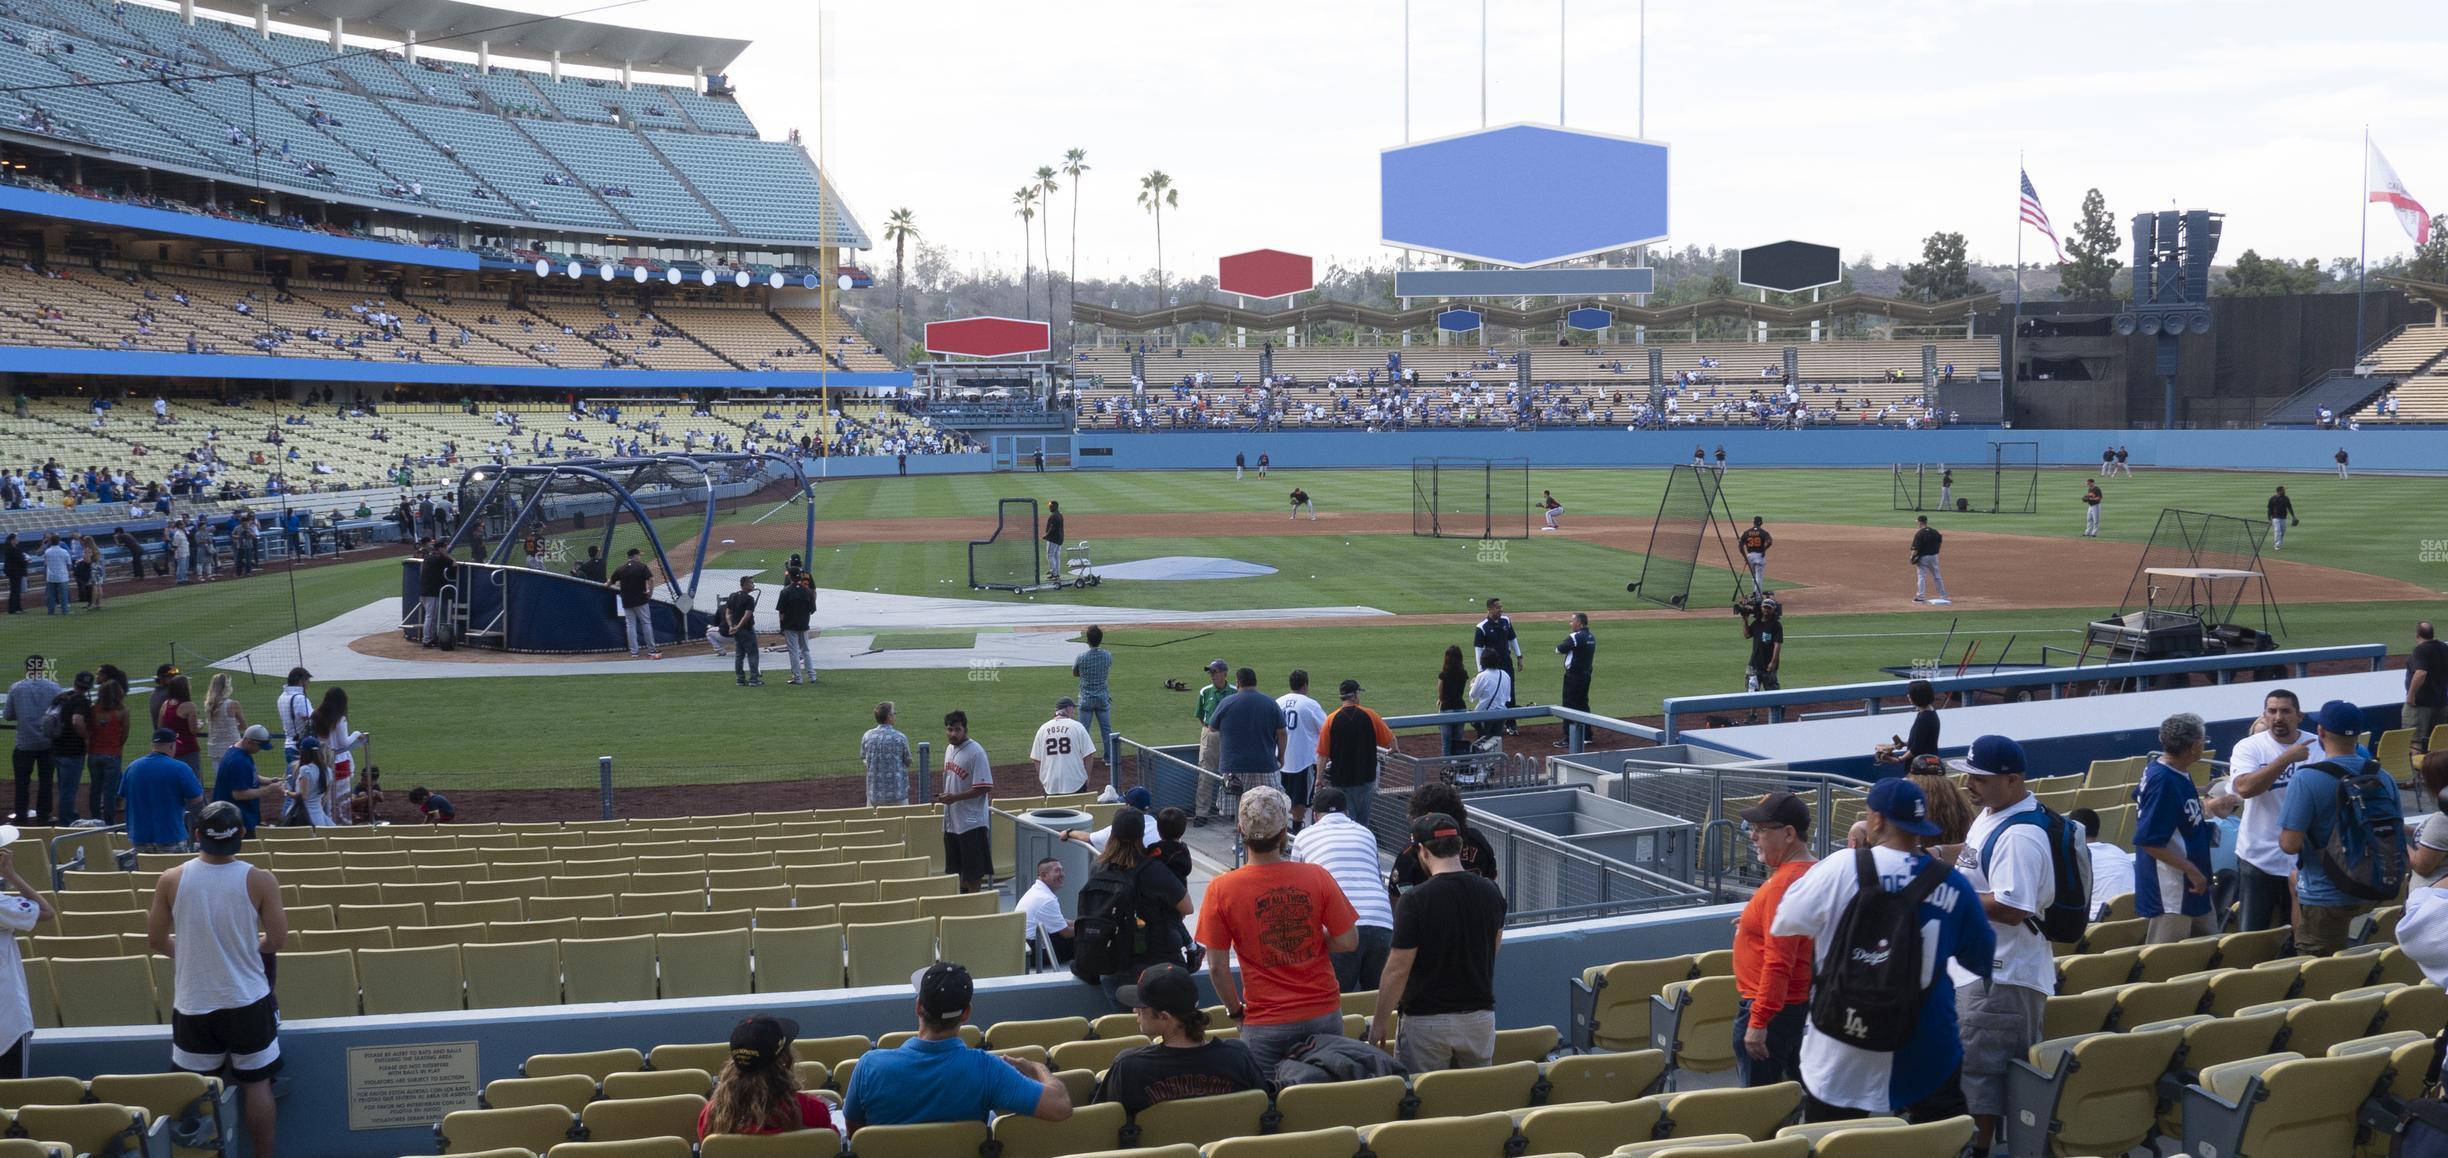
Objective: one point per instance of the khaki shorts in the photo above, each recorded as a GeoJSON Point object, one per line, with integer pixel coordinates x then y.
{"type": "Point", "coordinates": [1999, 1024]}
{"type": "Point", "coordinates": [2320, 930]}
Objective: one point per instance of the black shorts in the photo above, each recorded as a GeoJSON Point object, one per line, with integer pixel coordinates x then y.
{"type": "Point", "coordinates": [244, 1042]}
{"type": "Point", "coordinates": [1296, 785]}
{"type": "Point", "coordinates": [969, 855]}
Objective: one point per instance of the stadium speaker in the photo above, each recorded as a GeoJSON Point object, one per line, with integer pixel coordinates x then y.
{"type": "Point", "coordinates": [2125, 325]}
{"type": "Point", "coordinates": [2150, 325]}
{"type": "Point", "coordinates": [2201, 324]}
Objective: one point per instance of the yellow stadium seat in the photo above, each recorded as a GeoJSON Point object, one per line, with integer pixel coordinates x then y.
{"type": "Point", "coordinates": [513, 974]}
{"type": "Point", "coordinates": [321, 983]}
{"type": "Point", "coordinates": [594, 1064]}
{"type": "Point", "coordinates": [536, 1128]}
{"type": "Point", "coordinates": [704, 964]}
{"type": "Point", "coordinates": [887, 953]}
{"type": "Point", "coordinates": [410, 980]}
{"type": "Point", "coordinates": [109, 991]}
{"type": "Point", "coordinates": [1091, 1127]}
{"type": "Point", "coordinates": [789, 960]}
{"type": "Point", "coordinates": [660, 1083]}
{"type": "Point", "coordinates": [608, 969]}
{"type": "Point", "coordinates": [1199, 1121]}
{"type": "Point", "coordinates": [570, 1092]}
{"type": "Point", "coordinates": [612, 1119]}
{"type": "Point", "coordinates": [933, 1140]}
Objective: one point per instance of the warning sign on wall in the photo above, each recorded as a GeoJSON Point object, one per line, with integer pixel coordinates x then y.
{"type": "Point", "coordinates": [395, 1086]}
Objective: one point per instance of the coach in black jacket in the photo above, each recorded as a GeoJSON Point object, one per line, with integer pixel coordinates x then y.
{"type": "Point", "coordinates": [1580, 651]}
{"type": "Point", "coordinates": [1925, 544]}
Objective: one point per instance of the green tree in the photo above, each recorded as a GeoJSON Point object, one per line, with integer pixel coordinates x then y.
{"type": "Point", "coordinates": [2254, 276]}
{"type": "Point", "coordinates": [900, 228]}
{"type": "Point", "coordinates": [1943, 274]}
{"type": "Point", "coordinates": [1157, 194]}
{"type": "Point", "coordinates": [2429, 262]}
{"type": "Point", "coordinates": [1075, 162]}
{"type": "Point", "coordinates": [1046, 188]}
{"type": "Point", "coordinates": [2091, 262]}
{"type": "Point", "coordinates": [1024, 205]}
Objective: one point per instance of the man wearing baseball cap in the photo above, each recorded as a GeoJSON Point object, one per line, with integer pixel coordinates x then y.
{"type": "Point", "coordinates": [160, 789]}
{"type": "Point", "coordinates": [234, 778]}
{"type": "Point", "coordinates": [1282, 918]}
{"type": "Point", "coordinates": [2310, 818]}
{"type": "Point", "coordinates": [1211, 742]}
{"type": "Point", "coordinates": [1183, 1062]}
{"type": "Point", "coordinates": [1062, 749]}
{"type": "Point", "coordinates": [22, 907]}
{"type": "Point", "coordinates": [2007, 859]}
{"type": "Point", "coordinates": [1348, 744]}
{"type": "Point", "coordinates": [1773, 974]}
{"type": "Point", "coordinates": [936, 1077]}
{"type": "Point", "coordinates": [1442, 967]}
{"type": "Point", "coordinates": [228, 919]}
{"type": "Point", "coordinates": [1917, 1082]}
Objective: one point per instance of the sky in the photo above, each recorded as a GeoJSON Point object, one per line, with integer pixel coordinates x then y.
{"type": "Point", "coordinates": [1864, 126]}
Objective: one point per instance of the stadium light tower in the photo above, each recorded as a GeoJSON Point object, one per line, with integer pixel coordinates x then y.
{"type": "Point", "coordinates": [2171, 286]}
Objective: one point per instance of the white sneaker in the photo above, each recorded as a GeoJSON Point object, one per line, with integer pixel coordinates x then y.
{"type": "Point", "coordinates": [1941, 601]}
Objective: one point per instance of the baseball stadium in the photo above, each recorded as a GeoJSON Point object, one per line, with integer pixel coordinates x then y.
{"type": "Point", "coordinates": [472, 423]}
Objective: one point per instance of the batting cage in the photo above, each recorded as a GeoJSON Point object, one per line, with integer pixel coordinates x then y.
{"type": "Point", "coordinates": [528, 540]}
{"type": "Point", "coordinates": [1692, 511]}
{"type": "Point", "coordinates": [2202, 553]}
{"type": "Point", "coordinates": [2007, 483]}
{"type": "Point", "coordinates": [1470, 498]}
{"type": "Point", "coordinates": [1012, 558]}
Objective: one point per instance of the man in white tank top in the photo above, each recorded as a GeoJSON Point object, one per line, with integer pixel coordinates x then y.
{"type": "Point", "coordinates": [217, 917]}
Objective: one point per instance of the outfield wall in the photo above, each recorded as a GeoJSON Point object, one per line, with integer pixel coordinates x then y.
{"type": "Point", "coordinates": [1532, 974]}
{"type": "Point", "coordinates": [2301, 450]}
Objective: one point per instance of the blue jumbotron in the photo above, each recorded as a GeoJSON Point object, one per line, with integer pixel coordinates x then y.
{"type": "Point", "coordinates": [1523, 195]}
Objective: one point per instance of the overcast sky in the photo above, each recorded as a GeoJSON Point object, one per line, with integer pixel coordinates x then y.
{"type": "Point", "coordinates": [1865, 126]}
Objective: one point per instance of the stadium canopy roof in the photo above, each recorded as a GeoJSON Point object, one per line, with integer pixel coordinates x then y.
{"type": "Point", "coordinates": [460, 27]}
{"type": "Point", "coordinates": [1918, 313]}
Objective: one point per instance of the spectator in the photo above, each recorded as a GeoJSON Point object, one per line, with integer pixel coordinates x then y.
{"type": "Point", "coordinates": [1919, 1081]}
{"type": "Point", "coordinates": [330, 725]}
{"type": "Point", "coordinates": [178, 713]}
{"type": "Point", "coordinates": [159, 789]}
{"type": "Point", "coordinates": [105, 729]}
{"type": "Point", "coordinates": [1452, 690]}
{"type": "Point", "coordinates": [1159, 897]}
{"type": "Point", "coordinates": [1347, 850]}
{"type": "Point", "coordinates": [1348, 741]}
{"type": "Point", "coordinates": [886, 753]}
{"type": "Point", "coordinates": [89, 573]}
{"type": "Point", "coordinates": [738, 616]}
{"type": "Point", "coordinates": [968, 783]}
{"type": "Point", "coordinates": [758, 1092]}
{"type": "Point", "coordinates": [633, 581]}
{"type": "Point", "coordinates": [30, 756]}
{"type": "Point", "coordinates": [2324, 909]}
{"type": "Point", "coordinates": [56, 574]}
{"type": "Point", "coordinates": [2259, 771]}
{"type": "Point", "coordinates": [1772, 973]}
{"type": "Point", "coordinates": [1282, 919]}
{"type": "Point", "coordinates": [1495, 634]}
{"type": "Point", "coordinates": [2010, 865]}
{"type": "Point", "coordinates": [234, 778]}
{"type": "Point", "coordinates": [1580, 652]}
{"type": "Point", "coordinates": [316, 789]}
{"type": "Point", "coordinates": [1048, 931]}
{"type": "Point", "coordinates": [2426, 687]}
{"type": "Point", "coordinates": [936, 1077]}
{"type": "Point", "coordinates": [20, 912]}
{"type": "Point", "coordinates": [435, 806]}
{"type": "Point", "coordinates": [1182, 1061]}
{"type": "Point", "coordinates": [434, 574]}
{"type": "Point", "coordinates": [2423, 933]}
{"type": "Point", "coordinates": [1061, 750]}
{"type": "Point", "coordinates": [1302, 720]}
{"type": "Point", "coordinates": [2112, 868]}
{"type": "Point", "coordinates": [2171, 840]}
{"type": "Point", "coordinates": [1921, 740]}
{"type": "Point", "coordinates": [1091, 667]}
{"type": "Point", "coordinates": [224, 719]}
{"type": "Point", "coordinates": [1252, 734]}
{"type": "Point", "coordinates": [1950, 807]}
{"type": "Point", "coordinates": [68, 757]}
{"type": "Point", "coordinates": [226, 915]}
{"type": "Point", "coordinates": [1490, 690]}
{"type": "Point", "coordinates": [296, 712]}
{"type": "Point", "coordinates": [13, 564]}
{"type": "Point", "coordinates": [1477, 854]}
{"type": "Point", "coordinates": [794, 612]}
{"type": "Point", "coordinates": [1442, 966]}
{"type": "Point", "coordinates": [1211, 744]}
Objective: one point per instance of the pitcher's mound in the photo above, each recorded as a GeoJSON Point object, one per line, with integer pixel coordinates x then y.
{"type": "Point", "coordinates": [1182, 567]}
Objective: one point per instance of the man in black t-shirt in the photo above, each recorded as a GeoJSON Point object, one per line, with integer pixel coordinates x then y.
{"type": "Point", "coordinates": [1496, 632]}
{"type": "Point", "coordinates": [633, 580]}
{"type": "Point", "coordinates": [433, 574]}
{"type": "Point", "coordinates": [1442, 969]}
{"type": "Point", "coordinates": [592, 569]}
{"type": "Point", "coordinates": [1925, 544]}
{"type": "Point", "coordinates": [1183, 1062]}
{"type": "Point", "coordinates": [1765, 628]}
{"type": "Point", "coordinates": [739, 622]}
{"type": "Point", "coordinates": [1054, 542]}
{"type": "Point", "coordinates": [2281, 513]}
{"type": "Point", "coordinates": [2426, 701]}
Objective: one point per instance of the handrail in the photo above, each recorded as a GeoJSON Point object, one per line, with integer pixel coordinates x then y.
{"type": "Point", "coordinates": [2300, 659]}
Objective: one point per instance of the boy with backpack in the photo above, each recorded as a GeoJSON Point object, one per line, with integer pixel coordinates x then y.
{"type": "Point", "coordinates": [2345, 827]}
{"type": "Point", "coordinates": [1882, 1037]}
{"type": "Point", "coordinates": [2021, 858]}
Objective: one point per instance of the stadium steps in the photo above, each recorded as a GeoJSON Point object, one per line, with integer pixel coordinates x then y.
{"type": "Point", "coordinates": [656, 152]}
{"type": "Point", "coordinates": [101, 282]}
{"type": "Point", "coordinates": [564, 167]}
{"type": "Point", "coordinates": [447, 311]}
{"type": "Point", "coordinates": [511, 204]}
{"type": "Point", "coordinates": [812, 343]}
{"type": "Point", "coordinates": [2342, 392]}
{"type": "Point", "coordinates": [701, 343]}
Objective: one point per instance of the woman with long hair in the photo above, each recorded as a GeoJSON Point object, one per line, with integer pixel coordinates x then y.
{"type": "Point", "coordinates": [178, 713]}
{"type": "Point", "coordinates": [1452, 680]}
{"type": "Point", "coordinates": [89, 572]}
{"type": "Point", "coordinates": [314, 786]}
{"type": "Point", "coordinates": [1950, 807]}
{"type": "Point", "coordinates": [106, 729]}
{"type": "Point", "coordinates": [758, 1092]}
{"type": "Point", "coordinates": [223, 718]}
{"type": "Point", "coordinates": [330, 725]}
{"type": "Point", "coordinates": [1160, 898]}
{"type": "Point", "coordinates": [1477, 854]}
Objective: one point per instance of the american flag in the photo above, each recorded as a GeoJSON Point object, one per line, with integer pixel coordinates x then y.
{"type": "Point", "coordinates": [2037, 217]}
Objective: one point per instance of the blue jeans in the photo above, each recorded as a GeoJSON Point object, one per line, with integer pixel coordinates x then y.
{"type": "Point", "coordinates": [179, 568]}
{"type": "Point", "coordinates": [1269, 1043]}
{"type": "Point", "coordinates": [2262, 900]}
{"type": "Point", "coordinates": [71, 773]}
{"type": "Point", "coordinates": [103, 772]}
{"type": "Point", "coordinates": [1098, 719]}
{"type": "Point", "coordinates": [1357, 971]}
{"type": "Point", "coordinates": [1359, 799]}
{"type": "Point", "coordinates": [55, 601]}
{"type": "Point", "coordinates": [1784, 1060]}
{"type": "Point", "coordinates": [1453, 739]}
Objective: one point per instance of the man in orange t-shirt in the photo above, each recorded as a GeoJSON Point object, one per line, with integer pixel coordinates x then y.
{"type": "Point", "coordinates": [1773, 974]}
{"type": "Point", "coordinates": [1282, 918]}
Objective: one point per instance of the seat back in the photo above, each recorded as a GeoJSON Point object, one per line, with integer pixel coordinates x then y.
{"type": "Point", "coordinates": [1947, 1137]}
{"type": "Point", "coordinates": [507, 976]}
{"type": "Point", "coordinates": [789, 960]}
{"type": "Point", "coordinates": [1097, 1126]}
{"type": "Point", "coordinates": [1753, 1113]}
{"type": "Point", "coordinates": [2310, 1105]}
{"type": "Point", "coordinates": [1591, 1127]}
{"type": "Point", "coordinates": [1620, 1015]}
{"type": "Point", "coordinates": [571, 1092]}
{"type": "Point", "coordinates": [608, 969]}
{"type": "Point", "coordinates": [1704, 1035]}
{"type": "Point", "coordinates": [1048, 1032]}
{"type": "Point", "coordinates": [1199, 1121]}
{"type": "Point", "coordinates": [595, 1064]}
{"type": "Point", "coordinates": [536, 1128]}
{"type": "Point", "coordinates": [659, 1083]}
{"type": "Point", "coordinates": [1458, 1093]}
{"type": "Point", "coordinates": [1313, 1106]}
{"type": "Point", "coordinates": [1604, 1077]}
{"type": "Point", "coordinates": [887, 953]}
{"type": "Point", "coordinates": [932, 1140]}
{"type": "Point", "coordinates": [1331, 1142]}
{"type": "Point", "coordinates": [620, 1119]}
{"type": "Point", "coordinates": [2109, 1103]}
{"type": "Point", "coordinates": [91, 1130]}
{"type": "Point", "coordinates": [1478, 1136]}
{"type": "Point", "coordinates": [317, 984]}
{"type": "Point", "coordinates": [704, 964]}
{"type": "Point", "coordinates": [411, 980]}
{"type": "Point", "coordinates": [990, 944]}
{"type": "Point", "coordinates": [1094, 1054]}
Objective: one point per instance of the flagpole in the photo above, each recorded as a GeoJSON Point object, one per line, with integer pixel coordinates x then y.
{"type": "Point", "coordinates": [2013, 326]}
{"type": "Point", "coordinates": [2362, 247]}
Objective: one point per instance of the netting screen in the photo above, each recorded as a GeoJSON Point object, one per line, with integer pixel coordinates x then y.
{"type": "Point", "coordinates": [1470, 498]}
{"type": "Point", "coordinates": [1008, 560]}
{"type": "Point", "coordinates": [2197, 539]}
{"type": "Point", "coordinates": [1684, 515]}
{"type": "Point", "coordinates": [548, 518]}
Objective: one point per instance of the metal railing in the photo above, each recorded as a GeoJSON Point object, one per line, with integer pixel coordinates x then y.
{"type": "Point", "coordinates": [1700, 793]}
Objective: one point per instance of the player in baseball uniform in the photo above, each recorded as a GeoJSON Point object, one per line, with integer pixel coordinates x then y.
{"type": "Point", "coordinates": [1554, 509]}
{"type": "Point", "coordinates": [1755, 542]}
{"type": "Point", "coordinates": [1300, 502]}
{"type": "Point", "coordinates": [1946, 488]}
{"type": "Point", "coordinates": [1061, 749]}
{"type": "Point", "coordinates": [2091, 506]}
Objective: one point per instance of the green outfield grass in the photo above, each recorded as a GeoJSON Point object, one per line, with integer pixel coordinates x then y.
{"type": "Point", "coordinates": [696, 727]}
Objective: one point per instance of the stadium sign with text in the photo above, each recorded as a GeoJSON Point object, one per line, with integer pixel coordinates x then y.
{"type": "Point", "coordinates": [988, 337]}
{"type": "Point", "coordinates": [1266, 273]}
{"type": "Point", "coordinates": [1522, 195]}
{"type": "Point", "coordinates": [1788, 266]}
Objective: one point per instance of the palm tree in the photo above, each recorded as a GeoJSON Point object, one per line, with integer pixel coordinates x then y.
{"type": "Point", "coordinates": [1156, 194]}
{"type": "Point", "coordinates": [899, 228]}
{"type": "Point", "coordinates": [1026, 200]}
{"type": "Point", "coordinates": [1075, 162]}
{"type": "Point", "coordinates": [1045, 232]}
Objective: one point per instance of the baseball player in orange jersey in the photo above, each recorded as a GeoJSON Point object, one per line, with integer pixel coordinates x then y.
{"type": "Point", "coordinates": [1755, 542]}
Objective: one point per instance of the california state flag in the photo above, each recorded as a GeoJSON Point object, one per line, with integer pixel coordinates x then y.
{"type": "Point", "coordinates": [2387, 190]}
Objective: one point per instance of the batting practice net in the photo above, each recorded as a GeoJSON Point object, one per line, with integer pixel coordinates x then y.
{"type": "Point", "coordinates": [1009, 559]}
{"type": "Point", "coordinates": [1693, 507]}
{"type": "Point", "coordinates": [2008, 483]}
{"type": "Point", "coordinates": [1470, 498]}
{"type": "Point", "coordinates": [2199, 540]}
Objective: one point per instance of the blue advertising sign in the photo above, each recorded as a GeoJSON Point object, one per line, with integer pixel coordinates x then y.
{"type": "Point", "coordinates": [1523, 195]}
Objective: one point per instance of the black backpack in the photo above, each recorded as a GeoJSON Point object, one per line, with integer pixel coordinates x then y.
{"type": "Point", "coordinates": [1868, 992]}
{"type": "Point", "coordinates": [2068, 915]}
{"type": "Point", "coordinates": [1104, 938]}
{"type": "Point", "coordinates": [2365, 855]}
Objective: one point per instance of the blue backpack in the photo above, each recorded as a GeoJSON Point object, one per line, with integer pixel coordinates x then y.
{"type": "Point", "coordinates": [2365, 854]}
{"type": "Point", "coordinates": [2068, 915]}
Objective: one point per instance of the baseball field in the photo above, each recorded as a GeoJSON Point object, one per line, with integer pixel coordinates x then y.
{"type": "Point", "coordinates": [2357, 569]}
